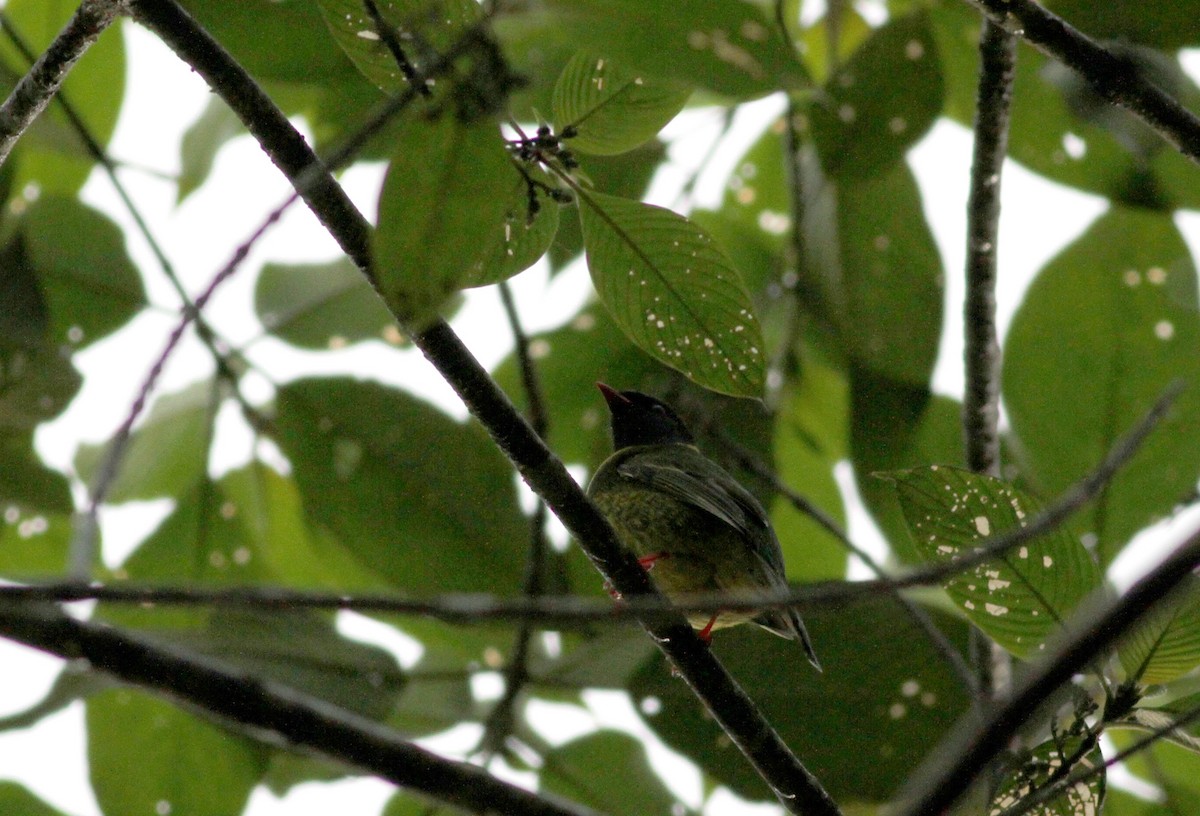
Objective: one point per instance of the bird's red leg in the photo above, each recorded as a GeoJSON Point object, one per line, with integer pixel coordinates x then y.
{"type": "Point", "coordinates": [648, 561]}
{"type": "Point", "coordinates": [705, 634]}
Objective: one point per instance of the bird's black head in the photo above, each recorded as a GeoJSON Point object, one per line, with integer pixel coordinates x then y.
{"type": "Point", "coordinates": [638, 419]}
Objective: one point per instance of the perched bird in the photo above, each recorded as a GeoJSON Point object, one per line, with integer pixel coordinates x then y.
{"type": "Point", "coordinates": [687, 519]}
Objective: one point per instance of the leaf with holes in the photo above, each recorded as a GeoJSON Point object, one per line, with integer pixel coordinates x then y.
{"type": "Point", "coordinates": [321, 306]}
{"type": "Point", "coordinates": [1166, 644]}
{"type": "Point", "coordinates": [880, 102]}
{"type": "Point", "coordinates": [448, 183]}
{"type": "Point", "coordinates": [1020, 599]}
{"type": "Point", "coordinates": [1046, 763]}
{"type": "Point", "coordinates": [612, 110]}
{"type": "Point", "coordinates": [674, 292]}
{"type": "Point", "coordinates": [421, 28]}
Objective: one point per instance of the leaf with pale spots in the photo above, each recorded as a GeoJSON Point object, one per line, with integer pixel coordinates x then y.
{"type": "Point", "coordinates": [448, 183]}
{"type": "Point", "coordinates": [611, 109]}
{"type": "Point", "coordinates": [1166, 644]}
{"type": "Point", "coordinates": [674, 292]}
{"type": "Point", "coordinates": [523, 238]}
{"type": "Point", "coordinates": [321, 306]}
{"type": "Point", "coordinates": [1104, 330]}
{"type": "Point", "coordinates": [1049, 762]}
{"type": "Point", "coordinates": [1023, 597]}
{"type": "Point", "coordinates": [881, 102]}
{"type": "Point", "coordinates": [421, 27]}
{"type": "Point", "coordinates": [728, 46]}
{"type": "Point", "coordinates": [903, 697]}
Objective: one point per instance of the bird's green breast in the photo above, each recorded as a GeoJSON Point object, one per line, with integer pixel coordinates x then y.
{"type": "Point", "coordinates": [699, 553]}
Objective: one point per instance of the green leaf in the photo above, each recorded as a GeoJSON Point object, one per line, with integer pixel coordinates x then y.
{"type": "Point", "coordinates": [381, 470]}
{"type": "Point", "coordinates": [891, 276]}
{"type": "Point", "coordinates": [422, 27]}
{"type": "Point", "coordinates": [137, 746]}
{"type": "Point", "coordinates": [1103, 331]}
{"type": "Point", "coordinates": [91, 286]}
{"type": "Point", "coordinates": [167, 453]}
{"type": "Point", "coordinates": [25, 320]}
{"type": "Point", "coordinates": [303, 650]}
{"type": "Point", "coordinates": [1166, 644]}
{"type": "Point", "coordinates": [1048, 762]}
{"type": "Point", "coordinates": [75, 682]}
{"type": "Point", "coordinates": [881, 102]}
{"type": "Point", "coordinates": [1020, 599]}
{"type": "Point", "coordinates": [16, 799]}
{"type": "Point", "coordinates": [728, 46]}
{"type": "Point", "coordinates": [33, 544]}
{"type": "Point", "coordinates": [448, 182]}
{"type": "Point", "coordinates": [674, 292]}
{"type": "Point", "coordinates": [282, 40]}
{"type": "Point", "coordinates": [584, 770]}
{"type": "Point", "coordinates": [886, 695]}
{"type": "Point", "coordinates": [26, 483]}
{"type": "Point", "coordinates": [215, 126]}
{"type": "Point", "coordinates": [36, 383]}
{"type": "Point", "coordinates": [321, 306]}
{"type": "Point", "coordinates": [523, 238]}
{"type": "Point", "coordinates": [612, 110]}
{"type": "Point", "coordinates": [52, 156]}
{"type": "Point", "coordinates": [605, 660]}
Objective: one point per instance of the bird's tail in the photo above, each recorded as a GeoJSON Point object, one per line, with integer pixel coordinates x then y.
{"type": "Point", "coordinates": [787, 623]}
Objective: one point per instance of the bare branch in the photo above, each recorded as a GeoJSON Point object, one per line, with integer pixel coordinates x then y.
{"type": "Point", "coordinates": [1115, 78]}
{"type": "Point", "coordinates": [981, 400]}
{"type": "Point", "coordinates": [260, 704]}
{"type": "Point", "coordinates": [43, 80]}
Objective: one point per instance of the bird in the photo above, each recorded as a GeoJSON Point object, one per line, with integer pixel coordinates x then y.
{"type": "Point", "coordinates": [688, 521]}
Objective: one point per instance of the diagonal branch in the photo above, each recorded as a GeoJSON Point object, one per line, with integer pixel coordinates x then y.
{"type": "Point", "coordinates": [256, 703]}
{"type": "Point", "coordinates": [38, 86]}
{"type": "Point", "coordinates": [1115, 78]}
{"type": "Point", "coordinates": [793, 784]}
{"type": "Point", "coordinates": [981, 400]}
{"type": "Point", "coordinates": [971, 746]}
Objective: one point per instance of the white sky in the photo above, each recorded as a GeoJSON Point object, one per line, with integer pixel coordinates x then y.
{"type": "Point", "coordinates": [163, 98]}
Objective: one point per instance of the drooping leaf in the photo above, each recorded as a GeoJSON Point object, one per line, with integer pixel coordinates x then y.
{"type": "Point", "coordinates": [91, 286]}
{"type": "Point", "coordinates": [584, 770]}
{"type": "Point", "coordinates": [878, 666]}
{"type": "Point", "coordinates": [1020, 599]}
{"type": "Point", "coordinates": [137, 746]}
{"type": "Point", "coordinates": [380, 470]}
{"type": "Point", "coordinates": [321, 306]}
{"type": "Point", "coordinates": [448, 183]}
{"type": "Point", "coordinates": [611, 109]}
{"type": "Point", "coordinates": [166, 454]}
{"type": "Point", "coordinates": [1049, 762]}
{"type": "Point", "coordinates": [674, 293]}
{"type": "Point", "coordinates": [215, 126]}
{"type": "Point", "coordinates": [1103, 331]}
{"type": "Point", "coordinates": [33, 544]}
{"type": "Point", "coordinates": [881, 102]}
{"type": "Point", "coordinates": [75, 682]}
{"type": "Point", "coordinates": [36, 384]}
{"type": "Point", "coordinates": [524, 236]}
{"type": "Point", "coordinates": [1166, 644]}
{"type": "Point", "coordinates": [26, 483]}
{"type": "Point", "coordinates": [422, 28]}
{"type": "Point", "coordinates": [728, 46]}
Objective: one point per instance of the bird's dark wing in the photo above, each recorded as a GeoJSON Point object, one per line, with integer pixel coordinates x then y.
{"type": "Point", "coordinates": [688, 476]}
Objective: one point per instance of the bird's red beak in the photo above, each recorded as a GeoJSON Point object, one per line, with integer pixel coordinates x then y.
{"type": "Point", "coordinates": [611, 395]}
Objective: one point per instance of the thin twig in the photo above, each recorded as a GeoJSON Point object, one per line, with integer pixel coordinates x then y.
{"type": "Point", "coordinates": [971, 747]}
{"type": "Point", "coordinates": [258, 704]}
{"type": "Point", "coordinates": [981, 400]}
{"type": "Point", "coordinates": [34, 90]}
{"type": "Point", "coordinates": [1115, 78]}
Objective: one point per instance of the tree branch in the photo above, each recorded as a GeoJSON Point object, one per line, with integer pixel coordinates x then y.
{"type": "Point", "coordinates": [34, 91]}
{"type": "Point", "coordinates": [981, 400]}
{"type": "Point", "coordinates": [971, 747]}
{"type": "Point", "coordinates": [257, 703]}
{"type": "Point", "coordinates": [1115, 78]}
{"type": "Point", "coordinates": [793, 784]}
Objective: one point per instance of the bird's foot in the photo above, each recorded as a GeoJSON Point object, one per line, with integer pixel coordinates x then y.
{"type": "Point", "coordinates": [648, 561]}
